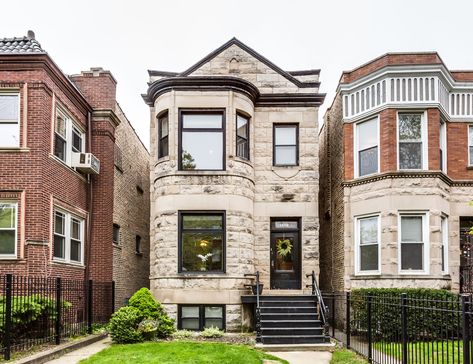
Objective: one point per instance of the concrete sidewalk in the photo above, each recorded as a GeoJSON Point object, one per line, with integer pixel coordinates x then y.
{"type": "Point", "coordinates": [76, 356]}
{"type": "Point", "coordinates": [304, 357]}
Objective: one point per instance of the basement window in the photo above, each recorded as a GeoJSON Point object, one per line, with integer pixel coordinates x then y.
{"type": "Point", "coordinates": [198, 317]}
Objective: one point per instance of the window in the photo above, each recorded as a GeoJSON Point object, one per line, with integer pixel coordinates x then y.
{"type": "Point", "coordinates": [198, 317]}
{"type": "Point", "coordinates": [443, 146]}
{"type": "Point", "coordinates": [68, 237]}
{"type": "Point", "coordinates": [9, 120]}
{"type": "Point", "coordinates": [243, 137]}
{"type": "Point", "coordinates": [286, 150]}
{"type": "Point", "coordinates": [202, 242]}
{"type": "Point", "coordinates": [368, 238]}
{"type": "Point", "coordinates": [163, 135]}
{"type": "Point", "coordinates": [202, 140]}
{"type": "Point", "coordinates": [8, 229]}
{"type": "Point", "coordinates": [413, 243]}
{"type": "Point", "coordinates": [412, 152]}
{"type": "Point", "coordinates": [367, 147]}
{"type": "Point", "coordinates": [470, 145]}
{"type": "Point", "coordinates": [138, 244]}
{"type": "Point", "coordinates": [116, 234]}
{"type": "Point", "coordinates": [444, 237]}
{"type": "Point", "coordinates": [68, 138]}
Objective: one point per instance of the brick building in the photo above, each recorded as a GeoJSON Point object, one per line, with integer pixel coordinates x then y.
{"type": "Point", "coordinates": [56, 205]}
{"type": "Point", "coordinates": [396, 167]}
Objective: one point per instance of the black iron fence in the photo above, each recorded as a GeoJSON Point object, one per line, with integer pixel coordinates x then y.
{"type": "Point", "coordinates": [40, 310]}
{"type": "Point", "coordinates": [390, 329]}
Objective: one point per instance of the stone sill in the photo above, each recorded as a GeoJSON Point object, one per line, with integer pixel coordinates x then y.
{"type": "Point", "coordinates": [14, 150]}
{"type": "Point", "coordinates": [201, 276]}
{"type": "Point", "coordinates": [12, 261]}
{"type": "Point", "coordinates": [70, 265]}
{"type": "Point", "coordinates": [446, 277]}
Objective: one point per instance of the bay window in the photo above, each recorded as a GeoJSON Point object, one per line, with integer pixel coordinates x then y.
{"type": "Point", "coordinates": [413, 243]}
{"type": "Point", "coordinates": [444, 242]}
{"type": "Point", "coordinates": [8, 229]}
{"type": "Point", "coordinates": [443, 146]}
{"type": "Point", "coordinates": [163, 135]}
{"type": "Point", "coordinates": [366, 156]}
{"type": "Point", "coordinates": [412, 150]}
{"type": "Point", "coordinates": [68, 242]}
{"type": "Point", "coordinates": [9, 120]}
{"type": "Point", "coordinates": [243, 137]}
{"type": "Point", "coordinates": [285, 144]}
{"type": "Point", "coordinates": [470, 145]}
{"type": "Point", "coordinates": [368, 244]}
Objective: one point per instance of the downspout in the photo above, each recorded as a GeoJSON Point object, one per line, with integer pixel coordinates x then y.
{"type": "Point", "coordinates": [89, 202]}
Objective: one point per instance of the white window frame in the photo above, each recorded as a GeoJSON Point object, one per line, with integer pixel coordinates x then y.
{"type": "Point", "coordinates": [470, 143]}
{"type": "Point", "coordinates": [12, 256]}
{"type": "Point", "coordinates": [67, 237]}
{"type": "Point", "coordinates": [356, 148]}
{"type": "Point", "coordinates": [443, 145]}
{"type": "Point", "coordinates": [70, 126]}
{"type": "Point", "coordinates": [425, 241]}
{"type": "Point", "coordinates": [424, 140]}
{"type": "Point", "coordinates": [18, 94]}
{"type": "Point", "coordinates": [358, 270]}
{"type": "Point", "coordinates": [444, 241]}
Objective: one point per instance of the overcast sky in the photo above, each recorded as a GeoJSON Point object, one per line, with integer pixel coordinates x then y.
{"type": "Point", "coordinates": [130, 37]}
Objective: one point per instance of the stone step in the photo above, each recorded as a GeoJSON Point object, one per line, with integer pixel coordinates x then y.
{"type": "Point", "coordinates": [288, 309]}
{"type": "Point", "coordinates": [292, 331]}
{"type": "Point", "coordinates": [291, 323]}
{"type": "Point", "coordinates": [293, 339]}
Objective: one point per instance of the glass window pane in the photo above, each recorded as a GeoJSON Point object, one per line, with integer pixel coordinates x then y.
{"type": "Point", "coordinates": [368, 160]}
{"type": "Point", "coordinates": [9, 135]}
{"type": "Point", "coordinates": [164, 125]}
{"type": "Point", "coordinates": [214, 323]}
{"type": "Point", "coordinates": [202, 221]}
{"type": "Point", "coordinates": [470, 130]}
{"type": "Point", "coordinates": [190, 311]}
{"type": "Point", "coordinates": [7, 242]}
{"type": "Point", "coordinates": [116, 234]}
{"type": "Point", "coordinates": [471, 155]}
{"type": "Point", "coordinates": [286, 155]}
{"type": "Point", "coordinates": [242, 123]}
{"type": "Point", "coordinates": [284, 257]}
{"type": "Point", "coordinates": [75, 250]}
{"type": "Point", "coordinates": [7, 216]}
{"type": "Point", "coordinates": [369, 257]}
{"type": "Point", "coordinates": [202, 252]}
{"type": "Point", "coordinates": [242, 148]}
{"type": "Point", "coordinates": [60, 148]}
{"type": "Point", "coordinates": [410, 155]}
{"type": "Point", "coordinates": [75, 229]}
{"type": "Point", "coordinates": [202, 150]}
{"type": "Point", "coordinates": [411, 228]}
{"type": "Point", "coordinates": [285, 135]}
{"type": "Point", "coordinates": [190, 324]}
{"type": "Point", "coordinates": [61, 126]}
{"type": "Point", "coordinates": [412, 256]}
{"type": "Point", "coordinates": [213, 312]}
{"type": "Point", "coordinates": [368, 230]}
{"type": "Point", "coordinates": [9, 107]}
{"type": "Point", "coordinates": [410, 127]}
{"type": "Point", "coordinates": [367, 134]}
{"type": "Point", "coordinates": [59, 223]}
{"type": "Point", "coordinates": [285, 224]}
{"type": "Point", "coordinates": [202, 121]}
{"type": "Point", "coordinates": [163, 147]}
{"type": "Point", "coordinates": [76, 141]}
{"type": "Point", "coordinates": [59, 246]}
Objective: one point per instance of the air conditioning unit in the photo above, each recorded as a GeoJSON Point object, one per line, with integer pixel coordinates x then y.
{"type": "Point", "coordinates": [86, 163]}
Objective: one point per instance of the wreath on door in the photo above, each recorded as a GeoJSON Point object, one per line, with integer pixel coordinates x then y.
{"type": "Point", "coordinates": [284, 247]}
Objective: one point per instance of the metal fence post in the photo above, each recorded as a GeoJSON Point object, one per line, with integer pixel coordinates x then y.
{"type": "Point", "coordinates": [348, 328]}
{"type": "Point", "coordinates": [370, 329]}
{"type": "Point", "coordinates": [58, 311]}
{"type": "Point", "coordinates": [8, 303]}
{"type": "Point", "coordinates": [465, 301]}
{"type": "Point", "coordinates": [404, 327]}
{"type": "Point", "coordinates": [113, 296]}
{"type": "Point", "coordinates": [333, 314]}
{"type": "Point", "coordinates": [90, 302]}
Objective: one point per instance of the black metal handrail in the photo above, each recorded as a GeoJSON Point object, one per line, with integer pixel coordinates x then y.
{"type": "Point", "coordinates": [258, 308]}
{"type": "Point", "coordinates": [316, 292]}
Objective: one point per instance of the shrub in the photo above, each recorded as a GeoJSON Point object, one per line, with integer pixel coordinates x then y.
{"type": "Point", "coordinates": [431, 312]}
{"type": "Point", "coordinates": [123, 325]}
{"type": "Point", "coordinates": [144, 301]}
{"type": "Point", "coordinates": [211, 332]}
{"type": "Point", "coordinates": [183, 334]}
{"type": "Point", "coordinates": [148, 328]}
{"type": "Point", "coordinates": [166, 326]}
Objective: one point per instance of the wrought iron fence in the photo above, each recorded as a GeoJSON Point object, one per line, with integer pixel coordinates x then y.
{"type": "Point", "coordinates": [390, 329]}
{"type": "Point", "coordinates": [39, 310]}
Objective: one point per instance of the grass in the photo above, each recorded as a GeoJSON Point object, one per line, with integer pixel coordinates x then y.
{"type": "Point", "coordinates": [181, 353]}
{"type": "Point", "coordinates": [435, 351]}
{"type": "Point", "coordinates": [345, 356]}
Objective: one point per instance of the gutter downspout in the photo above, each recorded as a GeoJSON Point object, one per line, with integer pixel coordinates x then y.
{"type": "Point", "coordinates": [89, 202]}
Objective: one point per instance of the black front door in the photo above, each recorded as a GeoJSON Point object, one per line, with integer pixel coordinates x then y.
{"type": "Point", "coordinates": [285, 254]}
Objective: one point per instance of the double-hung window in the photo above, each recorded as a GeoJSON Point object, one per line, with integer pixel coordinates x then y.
{"type": "Point", "coordinates": [444, 242]}
{"type": "Point", "coordinates": [68, 237]}
{"type": "Point", "coordinates": [243, 137]}
{"type": "Point", "coordinates": [8, 229]}
{"type": "Point", "coordinates": [367, 147]}
{"type": "Point", "coordinates": [9, 120]}
{"type": "Point", "coordinates": [368, 244]}
{"type": "Point", "coordinates": [202, 242]}
{"type": "Point", "coordinates": [286, 148]}
{"type": "Point", "coordinates": [443, 146]}
{"type": "Point", "coordinates": [68, 138]}
{"type": "Point", "coordinates": [411, 149]}
{"type": "Point", "coordinates": [202, 140]}
{"type": "Point", "coordinates": [413, 243]}
{"type": "Point", "coordinates": [163, 135]}
{"type": "Point", "coordinates": [198, 317]}
{"type": "Point", "coordinates": [470, 145]}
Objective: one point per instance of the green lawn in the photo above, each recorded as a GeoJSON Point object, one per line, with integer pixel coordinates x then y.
{"type": "Point", "coordinates": [420, 352]}
{"type": "Point", "coordinates": [181, 353]}
{"type": "Point", "coordinates": [345, 356]}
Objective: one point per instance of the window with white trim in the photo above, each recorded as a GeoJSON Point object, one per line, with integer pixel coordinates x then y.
{"type": "Point", "coordinates": [413, 243]}
{"type": "Point", "coordinates": [368, 233]}
{"type": "Point", "coordinates": [444, 237]}
{"type": "Point", "coordinates": [68, 137]}
{"type": "Point", "coordinates": [68, 237]}
{"type": "Point", "coordinates": [367, 142]}
{"type": "Point", "coordinates": [8, 229]}
{"type": "Point", "coordinates": [9, 120]}
{"type": "Point", "coordinates": [443, 146]}
{"type": "Point", "coordinates": [412, 150]}
{"type": "Point", "coordinates": [470, 145]}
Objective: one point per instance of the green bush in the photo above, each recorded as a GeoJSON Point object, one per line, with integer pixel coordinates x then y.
{"type": "Point", "coordinates": [430, 312]}
{"type": "Point", "coordinates": [123, 325]}
{"type": "Point", "coordinates": [144, 301]}
{"type": "Point", "coordinates": [183, 334]}
{"type": "Point", "coordinates": [166, 326]}
{"type": "Point", "coordinates": [211, 332]}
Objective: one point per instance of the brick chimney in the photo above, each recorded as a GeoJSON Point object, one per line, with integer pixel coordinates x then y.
{"type": "Point", "coordinates": [98, 86]}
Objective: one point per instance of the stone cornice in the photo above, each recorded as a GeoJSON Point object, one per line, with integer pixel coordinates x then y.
{"type": "Point", "coordinates": [106, 114]}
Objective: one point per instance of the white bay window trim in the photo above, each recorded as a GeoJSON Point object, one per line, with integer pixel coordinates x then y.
{"type": "Point", "coordinates": [423, 140]}
{"type": "Point", "coordinates": [470, 145]}
{"type": "Point", "coordinates": [443, 145]}
{"type": "Point", "coordinates": [356, 145]}
{"type": "Point", "coordinates": [358, 245]}
{"type": "Point", "coordinates": [67, 236]}
{"type": "Point", "coordinates": [425, 243]}
{"type": "Point", "coordinates": [71, 128]}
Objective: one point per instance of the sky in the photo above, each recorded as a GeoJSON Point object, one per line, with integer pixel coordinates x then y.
{"type": "Point", "coordinates": [130, 37]}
